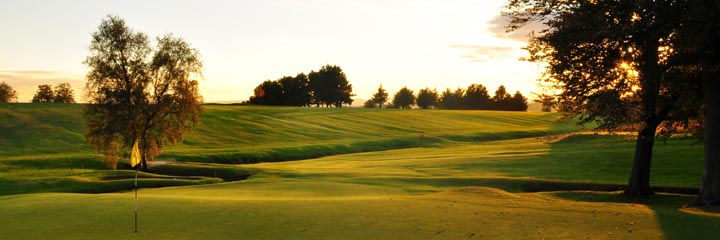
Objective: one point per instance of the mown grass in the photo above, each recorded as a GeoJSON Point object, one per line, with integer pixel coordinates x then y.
{"type": "Point", "coordinates": [37, 137]}
{"type": "Point", "coordinates": [472, 179]}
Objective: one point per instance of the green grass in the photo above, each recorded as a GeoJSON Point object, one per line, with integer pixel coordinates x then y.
{"type": "Point", "coordinates": [474, 176]}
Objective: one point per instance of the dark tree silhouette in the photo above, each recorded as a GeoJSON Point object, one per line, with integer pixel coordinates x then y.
{"type": "Point", "coordinates": [404, 98]}
{"type": "Point", "coordinates": [518, 102]}
{"type": "Point", "coordinates": [44, 94]}
{"type": "Point", "coordinates": [608, 57]}
{"type": "Point", "coordinates": [369, 104]}
{"type": "Point", "coordinates": [380, 97]}
{"type": "Point", "coordinates": [268, 93]}
{"type": "Point", "coordinates": [452, 99]}
{"type": "Point", "coordinates": [7, 93]}
{"type": "Point", "coordinates": [476, 97]}
{"type": "Point", "coordinates": [64, 93]}
{"type": "Point", "coordinates": [501, 100]}
{"type": "Point", "coordinates": [330, 86]}
{"type": "Point", "coordinates": [139, 93]}
{"type": "Point", "coordinates": [295, 90]}
{"type": "Point", "coordinates": [427, 98]}
{"type": "Point", "coordinates": [697, 48]}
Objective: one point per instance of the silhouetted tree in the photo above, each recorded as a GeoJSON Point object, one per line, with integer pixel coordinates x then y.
{"type": "Point", "coordinates": [404, 98]}
{"type": "Point", "coordinates": [369, 104]}
{"type": "Point", "coordinates": [452, 99]}
{"type": "Point", "coordinates": [295, 90]}
{"type": "Point", "coordinates": [608, 57]}
{"type": "Point", "coordinates": [268, 93]}
{"type": "Point", "coordinates": [501, 100]}
{"type": "Point", "coordinates": [330, 86]}
{"type": "Point", "coordinates": [44, 94]}
{"type": "Point", "coordinates": [380, 97]}
{"type": "Point", "coordinates": [697, 47]}
{"type": "Point", "coordinates": [64, 93]}
{"type": "Point", "coordinates": [476, 97]}
{"type": "Point", "coordinates": [7, 93]}
{"type": "Point", "coordinates": [139, 93]}
{"type": "Point", "coordinates": [518, 102]}
{"type": "Point", "coordinates": [427, 98]}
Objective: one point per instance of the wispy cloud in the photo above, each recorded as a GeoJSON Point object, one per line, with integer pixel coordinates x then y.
{"type": "Point", "coordinates": [480, 53]}
{"type": "Point", "coordinates": [498, 24]}
{"type": "Point", "coordinates": [26, 82]}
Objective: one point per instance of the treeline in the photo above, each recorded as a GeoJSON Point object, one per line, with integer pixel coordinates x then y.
{"type": "Point", "coordinates": [326, 87]}
{"type": "Point", "coordinates": [61, 93]}
{"type": "Point", "coordinates": [475, 97]}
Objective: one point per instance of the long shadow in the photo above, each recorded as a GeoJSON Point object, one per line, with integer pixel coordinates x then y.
{"type": "Point", "coordinates": [675, 224]}
{"type": "Point", "coordinates": [602, 164]}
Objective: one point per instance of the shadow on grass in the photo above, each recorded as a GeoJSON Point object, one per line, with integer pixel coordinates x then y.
{"type": "Point", "coordinates": [676, 224]}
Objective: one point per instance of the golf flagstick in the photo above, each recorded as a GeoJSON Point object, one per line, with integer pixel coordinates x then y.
{"type": "Point", "coordinates": [136, 199]}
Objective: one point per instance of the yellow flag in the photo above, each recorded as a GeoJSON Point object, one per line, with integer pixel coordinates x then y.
{"type": "Point", "coordinates": [135, 155]}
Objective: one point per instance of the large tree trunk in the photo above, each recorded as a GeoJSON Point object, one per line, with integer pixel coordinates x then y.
{"type": "Point", "coordinates": [639, 182]}
{"type": "Point", "coordinates": [710, 190]}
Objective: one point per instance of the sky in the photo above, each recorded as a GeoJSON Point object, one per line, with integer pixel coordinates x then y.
{"type": "Point", "coordinates": [415, 43]}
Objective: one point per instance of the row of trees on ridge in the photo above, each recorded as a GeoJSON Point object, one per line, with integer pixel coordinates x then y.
{"type": "Point", "coordinates": [326, 87]}
{"type": "Point", "coordinates": [475, 97]}
{"type": "Point", "coordinates": [62, 93]}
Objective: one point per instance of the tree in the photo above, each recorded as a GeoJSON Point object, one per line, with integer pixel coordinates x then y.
{"type": "Point", "coordinates": [7, 94]}
{"type": "Point", "coordinates": [476, 97]}
{"type": "Point", "coordinates": [404, 98]}
{"type": "Point", "coordinates": [380, 97]}
{"type": "Point", "coordinates": [139, 93]}
{"type": "Point", "coordinates": [369, 104]}
{"type": "Point", "coordinates": [330, 86]}
{"type": "Point", "coordinates": [44, 94]}
{"type": "Point", "coordinates": [608, 58]}
{"type": "Point", "coordinates": [268, 93]}
{"type": "Point", "coordinates": [452, 99]}
{"type": "Point", "coordinates": [296, 90]}
{"type": "Point", "coordinates": [518, 102]}
{"type": "Point", "coordinates": [427, 98]}
{"type": "Point", "coordinates": [697, 48]}
{"type": "Point", "coordinates": [501, 100]}
{"type": "Point", "coordinates": [64, 93]}
{"type": "Point", "coordinates": [547, 101]}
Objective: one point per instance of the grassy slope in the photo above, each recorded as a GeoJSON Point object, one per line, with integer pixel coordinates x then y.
{"type": "Point", "coordinates": [43, 144]}
{"type": "Point", "coordinates": [425, 193]}
{"type": "Point", "coordinates": [414, 193]}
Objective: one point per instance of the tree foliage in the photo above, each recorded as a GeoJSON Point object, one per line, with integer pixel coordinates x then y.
{"type": "Point", "coordinates": [64, 93]}
{"type": "Point", "coordinates": [7, 93]}
{"type": "Point", "coordinates": [427, 98]}
{"type": "Point", "coordinates": [404, 98]}
{"type": "Point", "coordinates": [611, 61]}
{"type": "Point", "coordinates": [139, 93]}
{"type": "Point", "coordinates": [327, 87]}
{"type": "Point", "coordinates": [450, 99]}
{"type": "Point", "coordinates": [477, 97]}
{"type": "Point", "coordinates": [380, 97]}
{"type": "Point", "coordinates": [330, 86]}
{"type": "Point", "coordinates": [44, 94]}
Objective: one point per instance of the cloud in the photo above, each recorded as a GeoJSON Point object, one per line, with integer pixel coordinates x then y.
{"type": "Point", "coordinates": [497, 26]}
{"type": "Point", "coordinates": [25, 82]}
{"type": "Point", "coordinates": [480, 53]}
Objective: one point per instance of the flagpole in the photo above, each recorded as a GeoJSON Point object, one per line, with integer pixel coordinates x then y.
{"type": "Point", "coordinates": [136, 199]}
